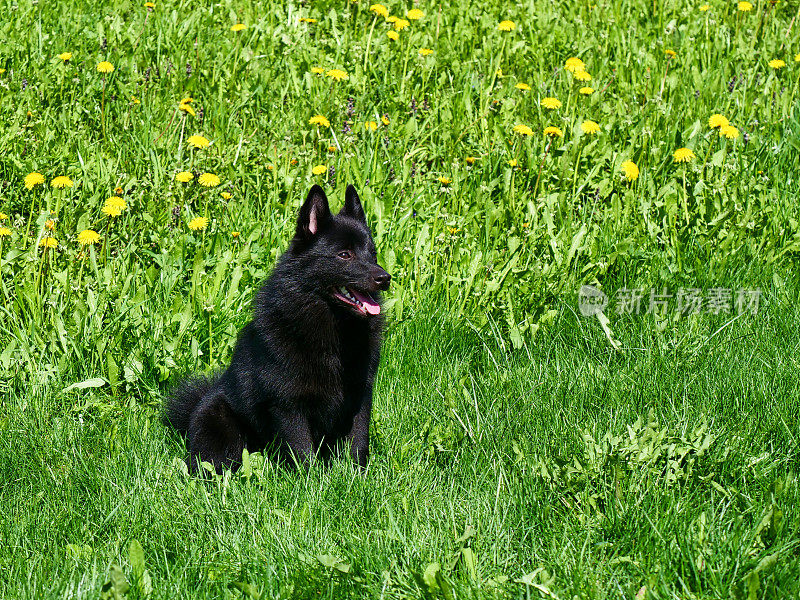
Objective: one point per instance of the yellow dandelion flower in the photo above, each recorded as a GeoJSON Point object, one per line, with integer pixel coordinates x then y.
{"type": "Point", "coordinates": [669, 52]}
{"type": "Point", "coordinates": [135, 100]}
{"type": "Point", "coordinates": [470, 160]}
{"type": "Point", "coordinates": [523, 86]}
{"type": "Point", "coordinates": [198, 223]}
{"type": "Point", "coordinates": [234, 234]}
{"type": "Point", "coordinates": [208, 180]}
{"type": "Point", "coordinates": [150, 5]}
{"type": "Point", "coordinates": [116, 202]}
{"type": "Point", "coordinates": [3, 216]}
{"type": "Point", "coordinates": [551, 103]}
{"type": "Point", "coordinates": [370, 125]}
{"type": "Point", "coordinates": [33, 179]}
{"type": "Point", "coordinates": [729, 131]}
{"type": "Point", "coordinates": [512, 162]}
{"type": "Point", "coordinates": [392, 19]}
{"type": "Point", "coordinates": [61, 182]}
{"type": "Point", "coordinates": [380, 10]}
{"type": "Point", "coordinates": [197, 141]}
{"type": "Point", "coordinates": [5, 232]}
{"type": "Point", "coordinates": [445, 181]}
{"type": "Point", "coordinates": [523, 130]}
{"type": "Point", "coordinates": [506, 25]}
{"type": "Point", "coordinates": [50, 224]}
{"type": "Point", "coordinates": [226, 195]}
{"type": "Point", "coordinates": [238, 27]}
{"type": "Point", "coordinates": [385, 120]}
{"type": "Point", "coordinates": [717, 120]}
{"type": "Point", "coordinates": [776, 63]}
{"type": "Point", "coordinates": [744, 7]}
{"type": "Point", "coordinates": [105, 67]}
{"type": "Point", "coordinates": [317, 70]}
{"type": "Point", "coordinates": [118, 191]}
{"type": "Point", "coordinates": [425, 51]}
{"type": "Point", "coordinates": [704, 7]}
{"type": "Point", "coordinates": [401, 24]}
{"type": "Point", "coordinates": [307, 20]}
{"type": "Point", "coordinates": [88, 236]}
{"type": "Point", "coordinates": [797, 58]}
{"type": "Point", "coordinates": [581, 76]}
{"type": "Point", "coordinates": [415, 14]}
{"type": "Point", "coordinates": [630, 170]}
{"type": "Point", "coordinates": [683, 155]}
{"type": "Point", "coordinates": [331, 148]}
{"type": "Point", "coordinates": [187, 108]}
{"type": "Point", "coordinates": [553, 132]}
{"type": "Point", "coordinates": [590, 127]}
{"type": "Point", "coordinates": [65, 56]}
{"type": "Point", "coordinates": [392, 35]}
{"type": "Point", "coordinates": [187, 100]}
{"type": "Point", "coordinates": [184, 177]}
{"type": "Point", "coordinates": [586, 91]}
{"type": "Point", "coordinates": [111, 211]}
{"type": "Point", "coordinates": [574, 65]}
{"type": "Point", "coordinates": [319, 169]}
{"type": "Point", "coordinates": [337, 74]}
{"type": "Point", "coordinates": [48, 242]}
{"type": "Point", "coordinates": [319, 120]}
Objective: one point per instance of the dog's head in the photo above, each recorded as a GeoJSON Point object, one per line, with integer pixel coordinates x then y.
{"type": "Point", "coordinates": [337, 254]}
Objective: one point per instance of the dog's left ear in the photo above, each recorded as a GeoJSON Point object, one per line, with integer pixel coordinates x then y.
{"type": "Point", "coordinates": [352, 205]}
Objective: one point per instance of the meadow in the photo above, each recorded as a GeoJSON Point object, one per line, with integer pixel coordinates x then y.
{"type": "Point", "coordinates": [152, 160]}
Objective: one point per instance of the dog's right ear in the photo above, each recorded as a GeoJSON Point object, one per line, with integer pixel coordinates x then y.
{"type": "Point", "coordinates": [314, 215]}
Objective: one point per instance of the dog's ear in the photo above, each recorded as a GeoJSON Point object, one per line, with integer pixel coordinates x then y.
{"type": "Point", "coordinates": [314, 215]}
{"type": "Point", "coordinates": [352, 205]}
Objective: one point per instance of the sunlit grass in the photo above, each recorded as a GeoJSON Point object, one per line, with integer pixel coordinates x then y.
{"type": "Point", "coordinates": [152, 160]}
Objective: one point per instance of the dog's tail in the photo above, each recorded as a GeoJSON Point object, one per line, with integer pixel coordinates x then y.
{"type": "Point", "coordinates": [182, 401]}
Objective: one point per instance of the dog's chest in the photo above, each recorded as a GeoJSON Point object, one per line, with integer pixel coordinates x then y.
{"type": "Point", "coordinates": [347, 370]}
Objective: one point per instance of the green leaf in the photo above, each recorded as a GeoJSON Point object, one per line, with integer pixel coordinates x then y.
{"type": "Point", "coordinates": [469, 561]}
{"type": "Point", "coordinates": [334, 562]}
{"type": "Point", "coordinates": [95, 382]}
{"type": "Point", "coordinates": [117, 585]}
{"type": "Point", "coordinates": [430, 576]}
{"type": "Point", "coordinates": [246, 588]}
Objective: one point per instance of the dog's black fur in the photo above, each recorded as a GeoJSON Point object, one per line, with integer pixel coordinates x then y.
{"type": "Point", "coordinates": [303, 369]}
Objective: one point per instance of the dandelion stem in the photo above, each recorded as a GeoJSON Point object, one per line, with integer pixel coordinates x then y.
{"type": "Point", "coordinates": [541, 164]}
{"type": "Point", "coordinates": [210, 339]}
{"type": "Point", "coordinates": [369, 42]}
{"type": "Point", "coordinates": [405, 68]}
{"type": "Point", "coordinates": [103, 109]}
{"type": "Point", "coordinates": [575, 176]}
{"type": "Point", "coordinates": [685, 197]}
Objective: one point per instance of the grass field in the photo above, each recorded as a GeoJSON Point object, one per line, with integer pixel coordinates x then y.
{"type": "Point", "coordinates": [152, 160]}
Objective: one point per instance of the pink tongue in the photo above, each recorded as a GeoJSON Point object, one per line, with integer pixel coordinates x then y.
{"type": "Point", "coordinates": [370, 305]}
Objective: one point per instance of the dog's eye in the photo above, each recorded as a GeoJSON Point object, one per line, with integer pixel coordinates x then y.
{"type": "Point", "coordinates": [345, 254]}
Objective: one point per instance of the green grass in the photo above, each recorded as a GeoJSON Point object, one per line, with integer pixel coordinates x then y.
{"type": "Point", "coordinates": [468, 437]}
{"type": "Point", "coordinates": [501, 442]}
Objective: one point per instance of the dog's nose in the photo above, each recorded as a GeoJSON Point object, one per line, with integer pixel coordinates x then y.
{"type": "Point", "coordinates": [382, 280]}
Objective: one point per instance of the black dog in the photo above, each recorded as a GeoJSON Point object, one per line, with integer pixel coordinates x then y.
{"type": "Point", "coordinates": [302, 371]}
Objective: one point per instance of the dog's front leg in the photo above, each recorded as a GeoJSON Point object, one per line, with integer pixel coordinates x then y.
{"type": "Point", "coordinates": [295, 432]}
{"type": "Point", "coordinates": [359, 433]}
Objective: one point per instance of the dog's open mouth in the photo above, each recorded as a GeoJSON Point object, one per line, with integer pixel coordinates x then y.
{"type": "Point", "coordinates": [361, 301]}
